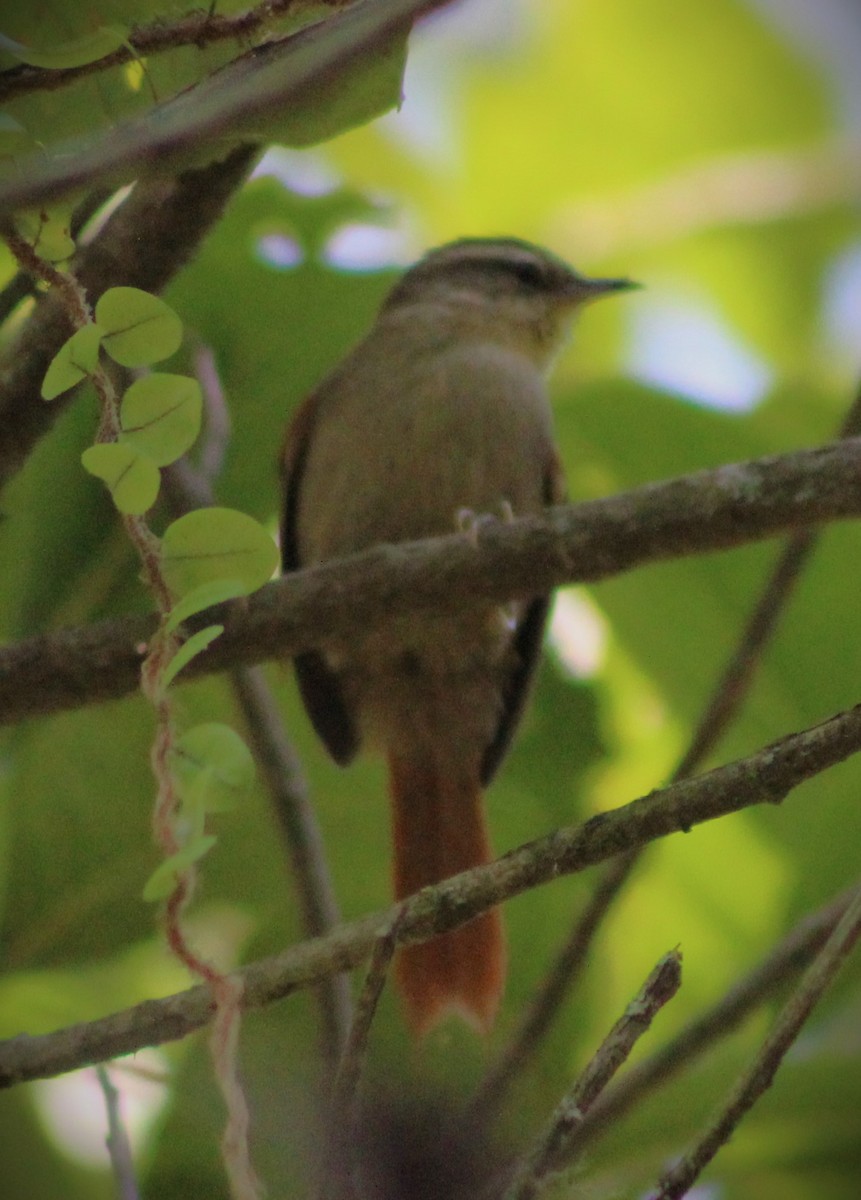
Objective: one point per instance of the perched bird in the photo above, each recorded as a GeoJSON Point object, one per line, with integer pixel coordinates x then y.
{"type": "Point", "coordinates": [440, 410]}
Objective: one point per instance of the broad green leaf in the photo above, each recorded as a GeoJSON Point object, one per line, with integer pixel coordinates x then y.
{"type": "Point", "coordinates": [165, 877]}
{"type": "Point", "coordinates": [75, 360]}
{"type": "Point", "coordinates": [132, 478]}
{"type": "Point", "coordinates": [212, 544]}
{"type": "Point", "coordinates": [187, 651]}
{"type": "Point", "coordinates": [160, 416]}
{"type": "Point", "coordinates": [201, 598]}
{"type": "Point", "coordinates": [75, 53]}
{"type": "Point", "coordinates": [367, 87]}
{"type": "Point", "coordinates": [215, 756]}
{"type": "Point", "coordinates": [139, 328]}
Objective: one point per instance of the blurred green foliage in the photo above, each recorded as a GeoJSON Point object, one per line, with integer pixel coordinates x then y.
{"type": "Point", "coordinates": [700, 149]}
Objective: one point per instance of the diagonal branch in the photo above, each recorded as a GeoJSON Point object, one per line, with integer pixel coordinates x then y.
{"type": "Point", "coordinates": [240, 97]}
{"type": "Point", "coordinates": [790, 956]}
{"type": "Point", "coordinates": [724, 702]}
{"type": "Point", "coordinates": [766, 777]}
{"type": "Point", "coordinates": [759, 1076]}
{"type": "Point", "coordinates": [200, 27]}
{"type": "Point", "coordinates": [693, 514]}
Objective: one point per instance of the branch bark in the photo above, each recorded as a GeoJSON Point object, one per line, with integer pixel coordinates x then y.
{"type": "Point", "coordinates": [200, 27]}
{"type": "Point", "coordinates": [693, 514]}
{"type": "Point", "coordinates": [241, 96]}
{"type": "Point", "coordinates": [766, 777]}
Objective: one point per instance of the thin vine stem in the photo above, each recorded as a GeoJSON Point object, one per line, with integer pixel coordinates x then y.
{"type": "Point", "coordinates": [227, 991]}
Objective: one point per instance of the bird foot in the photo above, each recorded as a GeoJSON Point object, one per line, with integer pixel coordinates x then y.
{"type": "Point", "coordinates": [469, 522]}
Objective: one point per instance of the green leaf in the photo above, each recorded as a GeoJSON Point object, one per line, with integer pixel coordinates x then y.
{"type": "Point", "coordinates": [160, 416]}
{"type": "Point", "coordinates": [77, 358]}
{"type": "Point", "coordinates": [132, 478]}
{"type": "Point", "coordinates": [212, 766]}
{"type": "Point", "coordinates": [216, 544]}
{"type": "Point", "coordinates": [75, 53]}
{"type": "Point", "coordinates": [201, 598]}
{"type": "Point", "coordinates": [166, 875]}
{"type": "Point", "coordinates": [187, 651]}
{"type": "Point", "coordinates": [47, 231]}
{"type": "Point", "coordinates": [138, 328]}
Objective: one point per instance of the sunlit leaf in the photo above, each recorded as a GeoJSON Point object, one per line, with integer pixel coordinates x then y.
{"type": "Point", "coordinates": [212, 766]}
{"type": "Point", "coordinates": [201, 598]}
{"type": "Point", "coordinates": [166, 876]}
{"type": "Point", "coordinates": [139, 328]}
{"type": "Point", "coordinates": [212, 544]}
{"type": "Point", "coordinates": [160, 416]}
{"type": "Point", "coordinates": [188, 650]}
{"type": "Point", "coordinates": [75, 360]}
{"type": "Point", "coordinates": [132, 479]}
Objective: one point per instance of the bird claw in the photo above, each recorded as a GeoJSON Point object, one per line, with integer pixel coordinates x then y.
{"type": "Point", "coordinates": [470, 523]}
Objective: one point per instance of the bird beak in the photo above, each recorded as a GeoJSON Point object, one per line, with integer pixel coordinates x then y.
{"type": "Point", "coordinates": [592, 288]}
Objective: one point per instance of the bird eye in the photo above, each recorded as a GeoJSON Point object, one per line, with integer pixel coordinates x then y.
{"type": "Point", "coordinates": [530, 274]}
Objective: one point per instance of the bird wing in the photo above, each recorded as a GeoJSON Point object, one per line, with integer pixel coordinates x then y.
{"type": "Point", "coordinates": [318, 684]}
{"type": "Point", "coordinates": [527, 649]}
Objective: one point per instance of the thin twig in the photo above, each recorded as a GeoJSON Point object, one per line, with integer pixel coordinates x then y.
{"type": "Point", "coordinates": [765, 777]}
{"type": "Point", "coordinates": [117, 1142]}
{"type": "Point", "coordinates": [791, 955]}
{"type": "Point", "coordinates": [760, 1074]}
{"type": "Point", "coordinates": [298, 824]}
{"type": "Point", "coordinates": [521, 1047]}
{"type": "Point", "coordinates": [343, 1108]}
{"type": "Point", "coordinates": [215, 439]}
{"type": "Point", "coordinates": [550, 1154]}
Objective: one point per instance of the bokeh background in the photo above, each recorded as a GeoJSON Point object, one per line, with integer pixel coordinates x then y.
{"type": "Point", "coordinates": [711, 151]}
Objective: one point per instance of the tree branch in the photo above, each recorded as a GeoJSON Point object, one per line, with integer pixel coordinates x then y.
{"type": "Point", "coordinates": [550, 1154]}
{"type": "Point", "coordinates": [760, 1074]}
{"type": "Point", "coordinates": [791, 954]}
{"type": "Point", "coordinates": [766, 777]}
{"type": "Point", "coordinates": [724, 702]}
{"type": "Point", "coordinates": [693, 514]}
{"type": "Point", "coordinates": [200, 27]}
{"type": "Point", "coordinates": [241, 96]}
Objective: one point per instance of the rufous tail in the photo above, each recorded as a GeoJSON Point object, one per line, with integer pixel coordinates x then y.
{"type": "Point", "coordinates": [439, 829]}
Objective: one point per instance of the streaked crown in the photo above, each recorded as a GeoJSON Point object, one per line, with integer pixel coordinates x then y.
{"type": "Point", "coordinates": [497, 289]}
{"type": "Point", "coordinates": [501, 267]}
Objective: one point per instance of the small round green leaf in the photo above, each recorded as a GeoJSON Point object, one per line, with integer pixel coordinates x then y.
{"type": "Point", "coordinates": [132, 479]}
{"type": "Point", "coordinates": [75, 360]}
{"type": "Point", "coordinates": [75, 53]}
{"type": "Point", "coordinates": [212, 767]}
{"type": "Point", "coordinates": [187, 651]}
{"type": "Point", "coordinates": [160, 416]}
{"type": "Point", "coordinates": [167, 874]}
{"type": "Point", "coordinates": [138, 328]}
{"type": "Point", "coordinates": [212, 544]}
{"type": "Point", "coordinates": [202, 597]}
